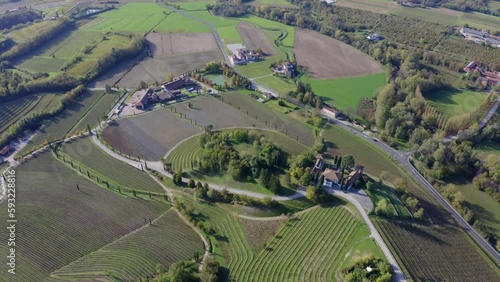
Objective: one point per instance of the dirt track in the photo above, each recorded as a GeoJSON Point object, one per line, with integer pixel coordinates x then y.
{"type": "Point", "coordinates": [255, 38]}
{"type": "Point", "coordinates": [166, 44]}
{"type": "Point", "coordinates": [325, 57]}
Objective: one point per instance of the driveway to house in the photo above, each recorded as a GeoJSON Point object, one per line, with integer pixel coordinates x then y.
{"type": "Point", "coordinates": [398, 274]}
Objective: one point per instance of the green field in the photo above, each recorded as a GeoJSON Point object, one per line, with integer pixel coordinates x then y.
{"type": "Point", "coordinates": [143, 17]}
{"type": "Point", "coordinates": [26, 33]}
{"type": "Point", "coordinates": [288, 124]}
{"type": "Point", "coordinates": [98, 112]}
{"type": "Point", "coordinates": [346, 92]}
{"type": "Point", "coordinates": [309, 247]}
{"type": "Point", "coordinates": [484, 206]}
{"type": "Point", "coordinates": [42, 64]}
{"type": "Point", "coordinates": [455, 102]}
{"type": "Point", "coordinates": [342, 142]}
{"type": "Point", "coordinates": [275, 2]}
{"type": "Point", "coordinates": [486, 148]}
{"type": "Point", "coordinates": [281, 86]}
{"type": "Point", "coordinates": [194, 6]}
{"type": "Point", "coordinates": [426, 15]}
{"type": "Point", "coordinates": [186, 155]}
{"type": "Point", "coordinates": [86, 153]}
{"type": "Point", "coordinates": [65, 122]}
{"type": "Point", "coordinates": [480, 20]}
{"type": "Point", "coordinates": [60, 224]}
{"type": "Point", "coordinates": [387, 193]}
{"type": "Point", "coordinates": [13, 110]}
{"type": "Point", "coordinates": [133, 257]}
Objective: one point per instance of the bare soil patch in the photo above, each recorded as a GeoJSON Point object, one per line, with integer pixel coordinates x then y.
{"type": "Point", "coordinates": [166, 44]}
{"type": "Point", "coordinates": [149, 135]}
{"type": "Point", "coordinates": [255, 38]}
{"type": "Point", "coordinates": [258, 232]}
{"type": "Point", "coordinates": [325, 57]}
{"type": "Point", "coordinates": [208, 111]}
{"type": "Point", "coordinates": [130, 73]}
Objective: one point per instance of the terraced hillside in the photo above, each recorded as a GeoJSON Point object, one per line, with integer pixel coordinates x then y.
{"type": "Point", "coordinates": [61, 223]}
{"type": "Point", "coordinates": [309, 247]}
{"type": "Point", "coordinates": [133, 257]}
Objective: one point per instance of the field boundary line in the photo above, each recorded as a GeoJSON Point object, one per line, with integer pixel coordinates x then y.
{"type": "Point", "coordinates": [110, 243]}
{"type": "Point", "coordinates": [205, 241]}
{"type": "Point", "coordinates": [86, 112]}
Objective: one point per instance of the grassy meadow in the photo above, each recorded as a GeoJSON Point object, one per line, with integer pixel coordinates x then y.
{"type": "Point", "coordinates": [346, 92]}
{"type": "Point", "coordinates": [455, 102]}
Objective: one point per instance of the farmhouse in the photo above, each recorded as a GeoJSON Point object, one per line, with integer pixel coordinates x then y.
{"type": "Point", "coordinates": [332, 177]}
{"type": "Point", "coordinates": [490, 79]}
{"type": "Point", "coordinates": [176, 84]}
{"type": "Point", "coordinates": [240, 54]}
{"type": "Point", "coordinates": [287, 69]}
{"type": "Point", "coordinates": [354, 175]}
{"type": "Point", "coordinates": [480, 37]}
{"type": "Point", "coordinates": [318, 166]}
{"type": "Point", "coordinates": [141, 98]}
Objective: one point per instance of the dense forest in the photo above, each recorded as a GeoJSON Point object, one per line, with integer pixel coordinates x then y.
{"type": "Point", "coordinates": [11, 19]}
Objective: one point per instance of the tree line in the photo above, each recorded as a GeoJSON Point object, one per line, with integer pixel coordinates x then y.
{"type": "Point", "coordinates": [33, 119]}
{"type": "Point", "coordinates": [11, 19]}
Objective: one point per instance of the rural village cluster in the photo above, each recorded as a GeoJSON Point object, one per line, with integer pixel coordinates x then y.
{"type": "Point", "coordinates": [263, 140]}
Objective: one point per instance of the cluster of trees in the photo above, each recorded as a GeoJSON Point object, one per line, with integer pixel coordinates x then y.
{"type": "Point", "coordinates": [33, 119]}
{"type": "Point", "coordinates": [262, 162]}
{"type": "Point", "coordinates": [237, 81]}
{"type": "Point", "coordinates": [305, 95]}
{"type": "Point", "coordinates": [487, 178]}
{"type": "Point", "coordinates": [107, 61]}
{"type": "Point", "coordinates": [381, 270]}
{"type": "Point", "coordinates": [457, 200]}
{"type": "Point", "coordinates": [13, 85]}
{"type": "Point", "coordinates": [444, 159]}
{"type": "Point", "coordinates": [9, 20]}
{"type": "Point", "coordinates": [229, 8]}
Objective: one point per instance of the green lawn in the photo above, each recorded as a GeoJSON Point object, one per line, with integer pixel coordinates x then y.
{"type": "Point", "coordinates": [483, 205]}
{"type": "Point", "coordinates": [274, 104]}
{"type": "Point", "coordinates": [486, 148]}
{"type": "Point", "coordinates": [282, 86]}
{"type": "Point", "coordinates": [480, 20]}
{"type": "Point", "coordinates": [346, 92]}
{"type": "Point", "coordinates": [144, 17]}
{"type": "Point", "coordinates": [455, 102]}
